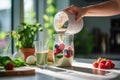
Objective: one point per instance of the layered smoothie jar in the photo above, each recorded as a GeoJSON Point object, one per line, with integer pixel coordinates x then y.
{"type": "Point", "coordinates": [63, 49]}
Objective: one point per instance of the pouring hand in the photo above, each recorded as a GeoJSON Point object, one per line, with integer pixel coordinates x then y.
{"type": "Point", "coordinates": [77, 11]}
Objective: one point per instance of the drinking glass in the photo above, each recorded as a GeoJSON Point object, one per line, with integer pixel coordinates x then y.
{"type": "Point", "coordinates": [41, 51]}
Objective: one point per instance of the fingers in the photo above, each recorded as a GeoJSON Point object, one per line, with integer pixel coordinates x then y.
{"type": "Point", "coordinates": [74, 10]}
{"type": "Point", "coordinates": [71, 9]}
{"type": "Point", "coordinates": [66, 9]}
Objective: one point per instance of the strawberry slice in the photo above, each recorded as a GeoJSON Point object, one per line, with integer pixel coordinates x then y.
{"type": "Point", "coordinates": [62, 46]}
{"type": "Point", "coordinates": [67, 53]}
{"type": "Point", "coordinates": [57, 51]}
{"type": "Point", "coordinates": [71, 50]}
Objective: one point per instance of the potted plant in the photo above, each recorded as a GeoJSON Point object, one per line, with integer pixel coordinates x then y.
{"type": "Point", "coordinates": [24, 37]}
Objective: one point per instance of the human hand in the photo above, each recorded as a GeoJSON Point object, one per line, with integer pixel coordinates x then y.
{"type": "Point", "coordinates": [77, 11]}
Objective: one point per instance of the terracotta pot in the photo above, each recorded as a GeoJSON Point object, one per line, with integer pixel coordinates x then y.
{"type": "Point", "coordinates": [50, 56]}
{"type": "Point", "coordinates": [27, 52]}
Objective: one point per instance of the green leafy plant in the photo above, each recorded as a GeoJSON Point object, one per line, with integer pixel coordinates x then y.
{"type": "Point", "coordinates": [25, 34]}
{"type": "Point", "coordinates": [83, 42]}
{"type": "Point", "coordinates": [17, 62]}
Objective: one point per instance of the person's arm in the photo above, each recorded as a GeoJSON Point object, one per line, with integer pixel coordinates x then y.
{"type": "Point", "coordinates": [108, 8]}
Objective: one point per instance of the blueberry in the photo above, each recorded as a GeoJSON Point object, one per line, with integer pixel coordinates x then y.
{"type": "Point", "coordinates": [56, 46]}
{"type": "Point", "coordinates": [67, 51]}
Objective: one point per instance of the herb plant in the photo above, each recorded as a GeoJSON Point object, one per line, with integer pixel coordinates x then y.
{"type": "Point", "coordinates": [25, 35]}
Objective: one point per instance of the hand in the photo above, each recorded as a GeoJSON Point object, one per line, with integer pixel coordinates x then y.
{"type": "Point", "coordinates": [77, 11]}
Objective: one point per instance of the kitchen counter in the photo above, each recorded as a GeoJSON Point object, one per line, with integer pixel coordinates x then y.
{"type": "Point", "coordinates": [81, 70]}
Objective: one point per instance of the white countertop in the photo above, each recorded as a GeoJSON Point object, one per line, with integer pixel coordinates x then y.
{"type": "Point", "coordinates": [82, 70]}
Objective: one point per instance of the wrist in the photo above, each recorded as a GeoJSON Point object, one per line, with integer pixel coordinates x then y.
{"type": "Point", "coordinates": [85, 11]}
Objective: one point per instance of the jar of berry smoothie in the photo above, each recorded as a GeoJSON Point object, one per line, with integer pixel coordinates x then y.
{"type": "Point", "coordinates": [63, 49]}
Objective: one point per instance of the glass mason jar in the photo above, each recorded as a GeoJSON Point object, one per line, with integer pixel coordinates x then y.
{"type": "Point", "coordinates": [63, 49]}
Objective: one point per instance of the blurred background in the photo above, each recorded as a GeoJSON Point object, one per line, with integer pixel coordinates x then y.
{"type": "Point", "coordinates": [99, 37]}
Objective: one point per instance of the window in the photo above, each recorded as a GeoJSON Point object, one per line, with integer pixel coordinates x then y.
{"type": "Point", "coordinates": [5, 25]}
{"type": "Point", "coordinates": [29, 11]}
{"type": "Point", "coordinates": [5, 15]}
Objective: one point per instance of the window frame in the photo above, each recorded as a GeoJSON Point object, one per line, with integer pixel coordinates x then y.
{"type": "Point", "coordinates": [17, 16]}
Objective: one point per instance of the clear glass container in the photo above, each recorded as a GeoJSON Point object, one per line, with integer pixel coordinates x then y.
{"type": "Point", "coordinates": [63, 49]}
{"type": "Point", "coordinates": [64, 22]}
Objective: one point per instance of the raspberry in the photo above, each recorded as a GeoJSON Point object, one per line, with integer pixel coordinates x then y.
{"type": "Point", "coordinates": [101, 66]}
{"type": "Point", "coordinates": [108, 65]}
{"type": "Point", "coordinates": [104, 64]}
{"type": "Point", "coordinates": [95, 64]}
{"type": "Point", "coordinates": [103, 61]}
{"type": "Point", "coordinates": [112, 65]}
{"type": "Point", "coordinates": [9, 66]}
{"type": "Point", "coordinates": [109, 61]}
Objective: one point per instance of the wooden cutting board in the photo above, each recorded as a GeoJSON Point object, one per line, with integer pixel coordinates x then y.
{"type": "Point", "coordinates": [21, 71]}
